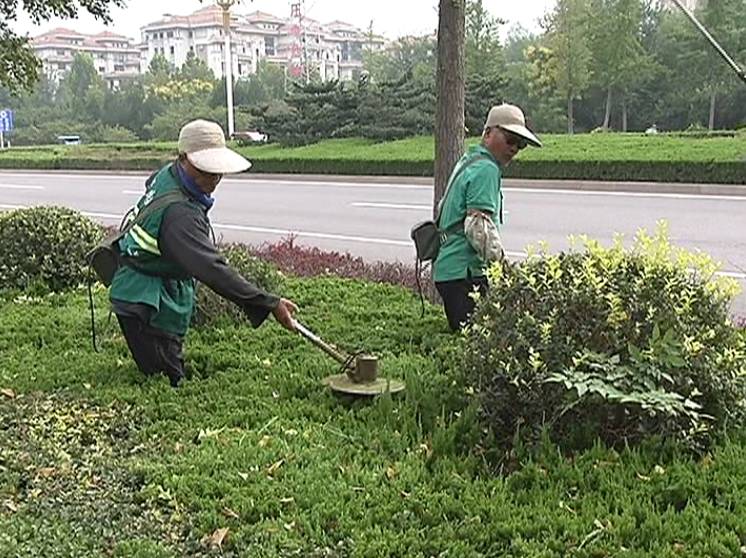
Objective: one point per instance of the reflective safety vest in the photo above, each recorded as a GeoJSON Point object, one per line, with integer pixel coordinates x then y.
{"type": "Point", "coordinates": [147, 277]}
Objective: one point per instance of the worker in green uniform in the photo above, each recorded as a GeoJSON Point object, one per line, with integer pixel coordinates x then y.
{"type": "Point", "coordinates": [471, 212]}
{"type": "Point", "coordinates": [153, 292]}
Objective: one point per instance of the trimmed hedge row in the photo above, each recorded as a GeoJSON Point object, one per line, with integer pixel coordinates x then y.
{"type": "Point", "coordinates": [724, 172]}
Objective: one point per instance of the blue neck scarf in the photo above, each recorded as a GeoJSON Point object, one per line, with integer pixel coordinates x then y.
{"type": "Point", "coordinates": [191, 187]}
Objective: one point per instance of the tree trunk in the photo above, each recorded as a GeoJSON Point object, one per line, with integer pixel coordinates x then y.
{"type": "Point", "coordinates": [607, 116]}
{"type": "Point", "coordinates": [449, 109]}
{"type": "Point", "coordinates": [624, 114]}
{"type": "Point", "coordinates": [570, 115]}
{"type": "Point", "coordinates": [713, 95]}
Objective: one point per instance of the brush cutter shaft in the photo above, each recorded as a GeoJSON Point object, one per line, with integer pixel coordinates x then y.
{"type": "Point", "coordinates": [316, 340]}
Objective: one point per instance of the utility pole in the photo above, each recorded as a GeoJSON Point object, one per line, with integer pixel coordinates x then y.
{"type": "Point", "coordinates": [736, 68]}
{"type": "Point", "coordinates": [226, 5]}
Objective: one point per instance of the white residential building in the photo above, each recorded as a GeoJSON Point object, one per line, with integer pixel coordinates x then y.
{"type": "Point", "coordinates": [301, 45]}
{"type": "Point", "coordinates": [114, 56]}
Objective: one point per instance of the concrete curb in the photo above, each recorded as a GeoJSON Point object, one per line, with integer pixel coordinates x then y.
{"type": "Point", "coordinates": [576, 185]}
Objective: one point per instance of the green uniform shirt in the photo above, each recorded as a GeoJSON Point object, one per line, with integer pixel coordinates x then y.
{"type": "Point", "coordinates": [477, 187]}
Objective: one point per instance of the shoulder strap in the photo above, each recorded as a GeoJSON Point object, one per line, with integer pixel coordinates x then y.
{"type": "Point", "coordinates": [454, 176]}
{"type": "Point", "coordinates": [158, 202]}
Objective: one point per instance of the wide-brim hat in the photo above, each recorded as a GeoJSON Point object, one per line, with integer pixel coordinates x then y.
{"type": "Point", "coordinates": [343, 383]}
{"type": "Point", "coordinates": [203, 143]}
{"type": "Point", "coordinates": [511, 118]}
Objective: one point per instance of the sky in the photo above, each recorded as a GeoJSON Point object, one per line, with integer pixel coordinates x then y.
{"type": "Point", "coordinates": [391, 18]}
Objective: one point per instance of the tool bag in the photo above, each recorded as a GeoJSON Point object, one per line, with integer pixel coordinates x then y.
{"type": "Point", "coordinates": [105, 258]}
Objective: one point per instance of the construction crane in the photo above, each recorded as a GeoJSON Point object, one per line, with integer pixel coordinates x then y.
{"type": "Point", "coordinates": [736, 68]}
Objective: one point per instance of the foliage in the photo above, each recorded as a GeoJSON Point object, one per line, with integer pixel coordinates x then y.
{"type": "Point", "coordinates": [309, 261]}
{"type": "Point", "coordinates": [44, 248]}
{"type": "Point", "coordinates": [19, 67]}
{"type": "Point", "coordinates": [212, 308]}
{"type": "Point", "coordinates": [570, 61]}
{"type": "Point", "coordinates": [637, 157]}
{"type": "Point", "coordinates": [608, 343]}
{"type": "Point", "coordinates": [98, 460]}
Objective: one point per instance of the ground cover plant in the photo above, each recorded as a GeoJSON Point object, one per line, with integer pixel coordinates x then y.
{"type": "Point", "coordinates": [96, 460]}
{"type": "Point", "coordinates": [664, 157]}
{"type": "Point", "coordinates": [252, 456]}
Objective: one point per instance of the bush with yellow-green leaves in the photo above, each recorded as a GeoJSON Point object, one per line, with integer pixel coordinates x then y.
{"type": "Point", "coordinates": [608, 343]}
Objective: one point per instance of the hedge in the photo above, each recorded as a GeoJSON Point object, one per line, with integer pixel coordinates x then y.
{"type": "Point", "coordinates": [725, 172]}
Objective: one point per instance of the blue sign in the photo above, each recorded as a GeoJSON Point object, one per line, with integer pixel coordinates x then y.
{"type": "Point", "coordinates": [6, 120]}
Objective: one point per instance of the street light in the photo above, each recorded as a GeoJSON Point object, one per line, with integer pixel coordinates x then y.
{"type": "Point", "coordinates": [226, 5]}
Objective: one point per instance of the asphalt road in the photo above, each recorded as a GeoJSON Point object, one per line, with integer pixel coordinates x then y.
{"type": "Point", "coordinates": [372, 218]}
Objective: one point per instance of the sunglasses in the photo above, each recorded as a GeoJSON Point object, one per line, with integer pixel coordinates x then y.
{"type": "Point", "coordinates": [514, 139]}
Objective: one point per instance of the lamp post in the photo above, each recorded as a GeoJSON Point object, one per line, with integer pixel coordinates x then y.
{"type": "Point", "coordinates": [226, 5]}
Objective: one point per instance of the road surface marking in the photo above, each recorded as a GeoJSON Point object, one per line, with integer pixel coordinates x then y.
{"type": "Point", "coordinates": [329, 236]}
{"type": "Point", "coordinates": [392, 206]}
{"type": "Point", "coordinates": [20, 187]}
{"type": "Point", "coordinates": [670, 195]}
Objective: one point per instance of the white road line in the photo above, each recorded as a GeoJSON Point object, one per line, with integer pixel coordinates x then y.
{"type": "Point", "coordinates": [377, 205]}
{"type": "Point", "coordinates": [257, 180]}
{"type": "Point", "coordinates": [329, 236]}
{"type": "Point", "coordinates": [20, 187]}
{"type": "Point", "coordinates": [392, 206]}
{"type": "Point", "coordinates": [627, 194]}
{"type": "Point", "coordinates": [65, 175]}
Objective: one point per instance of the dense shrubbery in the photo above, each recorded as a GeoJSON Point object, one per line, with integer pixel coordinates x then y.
{"type": "Point", "coordinates": [608, 343]}
{"type": "Point", "coordinates": [303, 261]}
{"type": "Point", "coordinates": [211, 307]}
{"type": "Point", "coordinates": [45, 247]}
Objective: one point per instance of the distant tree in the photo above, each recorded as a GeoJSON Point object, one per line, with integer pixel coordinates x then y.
{"type": "Point", "coordinates": [160, 71]}
{"type": "Point", "coordinates": [482, 49]}
{"type": "Point", "coordinates": [19, 67]}
{"type": "Point", "coordinates": [569, 43]}
{"type": "Point", "coordinates": [82, 91]}
{"type": "Point", "coordinates": [414, 55]}
{"type": "Point", "coordinates": [193, 68]}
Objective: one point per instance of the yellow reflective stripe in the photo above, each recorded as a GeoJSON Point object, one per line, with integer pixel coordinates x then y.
{"type": "Point", "coordinates": [144, 240]}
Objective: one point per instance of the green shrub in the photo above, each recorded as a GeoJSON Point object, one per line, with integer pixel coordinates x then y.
{"type": "Point", "coordinates": [211, 307]}
{"type": "Point", "coordinates": [608, 343]}
{"type": "Point", "coordinates": [45, 247]}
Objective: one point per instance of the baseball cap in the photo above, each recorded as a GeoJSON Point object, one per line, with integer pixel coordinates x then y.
{"type": "Point", "coordinates": [203, 142]}
{"type": "Point", "coordinates": [510, 118]}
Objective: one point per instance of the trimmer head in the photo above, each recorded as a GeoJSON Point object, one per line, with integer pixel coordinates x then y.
{"type": "Point", "coordinates": [360, 371]}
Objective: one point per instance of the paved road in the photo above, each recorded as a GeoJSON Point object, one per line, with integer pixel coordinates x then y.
{"type": "Point", "coordinates": [372, 219]}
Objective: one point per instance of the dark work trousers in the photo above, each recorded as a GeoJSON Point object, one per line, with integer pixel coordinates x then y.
{"type": "Point", "coordinates": [154, 350]}
{"type": "Point", "coordinates": [458, 304]}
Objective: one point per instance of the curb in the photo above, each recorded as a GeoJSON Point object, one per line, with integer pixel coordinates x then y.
{"type": "Point", "coordinates": [542, 184]}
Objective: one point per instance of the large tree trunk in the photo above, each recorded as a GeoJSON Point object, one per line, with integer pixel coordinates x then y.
{"type": "Point", "coordinates": [570, 115]}
{"type": "Point", "coordinates": [713, 96]}
{"type": "Point", "coordinates": [607, 116]}
{"type": "Point", "coordinates": [449, 110]}
{"type": "Point", "coordinates": [624, 114]}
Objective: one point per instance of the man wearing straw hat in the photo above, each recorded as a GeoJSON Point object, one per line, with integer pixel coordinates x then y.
{"type": "Point", "coordinates": [152, 293]}
{"type": "Point", "coordinates": [471, 212]}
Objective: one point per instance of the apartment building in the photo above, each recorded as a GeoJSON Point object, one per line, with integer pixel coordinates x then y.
{"type": "Point", "coordinates": [115, 57]}
{"type": "Point", "coordinates": [301, 45]}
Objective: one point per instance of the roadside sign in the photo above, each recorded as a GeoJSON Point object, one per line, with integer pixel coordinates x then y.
{"type": "Point", "coordinates": [6, 120]}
